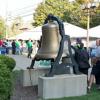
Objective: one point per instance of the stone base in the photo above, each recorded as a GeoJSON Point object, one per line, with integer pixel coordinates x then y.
{"type": "Point", "coordinates": [29, 77]}
{"type": "Point", "coordinates": [61, 86]}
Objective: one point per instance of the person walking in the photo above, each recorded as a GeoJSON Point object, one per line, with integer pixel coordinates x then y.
{"type": "Point", "coordinates": [18, 45]}
{"type": "Point", "coordinates": [13, 47]}
{"type": "Point", "coordinates": [29, 45]}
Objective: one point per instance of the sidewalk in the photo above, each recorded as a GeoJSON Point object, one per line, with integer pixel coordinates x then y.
{"type": "Point", "coordinates": [22, 62]}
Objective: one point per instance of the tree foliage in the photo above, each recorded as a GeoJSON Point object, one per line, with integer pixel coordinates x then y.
{"type": "Point", "coordinates": [5, 82]}
{"type": "Point", "coordinates": [67, 11]}
{"type": "Point", "coordinates": [61, 8]}
{"type": "Point", "coordinates": [10, 62]}
{"type": "Point", "coordinates": [16, 25]}
{"type": "Point", "coordinates": [2, 27]}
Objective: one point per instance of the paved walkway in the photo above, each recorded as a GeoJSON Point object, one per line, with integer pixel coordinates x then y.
{"type": "Point", "coordinates": [22, 62]}
{"type": "Point", "coordinates": [20, 92]}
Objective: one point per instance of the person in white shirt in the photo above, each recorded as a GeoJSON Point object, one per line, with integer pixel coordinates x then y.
{"type": "Point", "coordinates": [95, 73]}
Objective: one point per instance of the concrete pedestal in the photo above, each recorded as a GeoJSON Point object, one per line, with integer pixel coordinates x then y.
{"type": "Point", "coordinates": [61, 86]}
{"type": "Point", "coordinates": [29, 77]}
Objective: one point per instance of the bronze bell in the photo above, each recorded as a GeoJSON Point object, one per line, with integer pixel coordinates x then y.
{"type": "Point", "coordinates": [50, 41]}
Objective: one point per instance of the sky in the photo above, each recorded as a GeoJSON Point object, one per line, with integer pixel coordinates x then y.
{"type": "Point", "coordinates": [7, 6]}
{"type": "Point", "coordinates": [10, 9]}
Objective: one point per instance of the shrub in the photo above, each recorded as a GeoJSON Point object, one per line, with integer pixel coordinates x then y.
{"type": "Point", "coordinates": [10, 62]}
{"type": "Point", "coordinates": [5, 82]}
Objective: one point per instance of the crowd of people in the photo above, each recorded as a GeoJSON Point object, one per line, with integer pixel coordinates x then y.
{"type": "Point", "coordinates": [18, 47]}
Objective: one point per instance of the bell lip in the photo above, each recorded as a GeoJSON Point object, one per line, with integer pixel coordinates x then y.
{"type": "Point", "coordinates": [46, 56]}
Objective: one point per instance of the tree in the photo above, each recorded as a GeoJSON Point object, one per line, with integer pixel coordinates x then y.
{"type": "Point", "coordinates": [16, 25]}
{"type": "Point", "coordinates": [73, 15]}
{"type": "Point", "coordinates": [60, 8]}
{"type": "Point", "coordinates": [2, 27]}
{"type": "Point", "coordinates": [67, 11]}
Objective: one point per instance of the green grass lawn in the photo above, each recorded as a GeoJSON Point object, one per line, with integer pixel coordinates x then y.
{"type": "Point", "coordinates": [93, 95]}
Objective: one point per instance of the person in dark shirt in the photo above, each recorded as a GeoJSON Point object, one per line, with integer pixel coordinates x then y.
{"type": "Point", "coordinates": [13, 47]}
{"type": "Point", "coordinates": [82, 58]}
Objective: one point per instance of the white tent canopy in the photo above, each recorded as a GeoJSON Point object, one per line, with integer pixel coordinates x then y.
{"type": "Point", "coordinates": [37, 29]}
{"type": "Point", "coordinates": [71, 30]}
{"type": "Point", "coordinates": [29, 35]}
{"type": "Point", "coordinates": [33, 34]}
{"type": "Point", "coordinates": [95, 32]}
{"type": "Point", "coordinates": [74, 31]}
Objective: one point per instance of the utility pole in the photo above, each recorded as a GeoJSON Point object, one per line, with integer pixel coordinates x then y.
{"type": "Point", "coordinates": [88, 27]}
